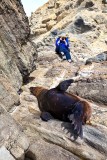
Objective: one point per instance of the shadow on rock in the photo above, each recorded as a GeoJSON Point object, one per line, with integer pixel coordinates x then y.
{"type": "Point", "coordinates": [68, 130]}
{"type": "Point", "coordinates": [28, 79]}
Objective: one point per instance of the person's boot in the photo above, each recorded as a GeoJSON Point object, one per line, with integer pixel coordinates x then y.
{"type": "Point", "coordinates": [62, 53]}
{"type": "Point", "coordinates": [64, 57]}
{"type": "Point", "coordinates": [69, 60]}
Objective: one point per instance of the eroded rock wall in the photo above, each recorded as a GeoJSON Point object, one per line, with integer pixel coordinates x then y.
{"type": "Point", "coordinates": [17, 53]}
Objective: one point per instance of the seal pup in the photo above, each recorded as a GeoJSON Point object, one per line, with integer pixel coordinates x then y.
{"type": "Point", "coordinates": [57, 103]}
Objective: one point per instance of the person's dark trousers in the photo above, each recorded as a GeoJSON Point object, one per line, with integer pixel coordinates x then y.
{"type": "Point", "coordinates": [65, 51]}
{"type": "Point", "coordinates": [57, 50]}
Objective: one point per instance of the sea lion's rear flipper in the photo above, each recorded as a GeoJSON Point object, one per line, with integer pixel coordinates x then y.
{"type": "Point", "coordinates": [76, 121]}
{"type": "Point", "coordinates": [63, 86]}
{"type": "Point", "coordinates": [46, 116]}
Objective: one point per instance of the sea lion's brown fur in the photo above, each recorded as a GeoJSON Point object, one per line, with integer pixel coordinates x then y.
{"type": "Point", "coordinates": [39, 92]}
{"type": "Point", "coordinates": [86, 107]}
{"type": "Point", "coordinates": [64, 106]}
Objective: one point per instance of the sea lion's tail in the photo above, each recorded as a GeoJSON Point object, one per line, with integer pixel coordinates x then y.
{"type": "Point", "coordinates": [75, 118]}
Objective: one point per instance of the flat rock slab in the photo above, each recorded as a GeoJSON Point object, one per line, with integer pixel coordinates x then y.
{"type": "Point", "coordinates": [42, 150]}
{"type": "Point", "coordinates": [5, 154]}
{"type": "Point", "coordinates": [57, 133]}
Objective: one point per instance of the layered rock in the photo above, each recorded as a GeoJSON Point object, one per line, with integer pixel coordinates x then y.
{"type": "Point", "coordinates": [17, 53]}
{"type": "Point", "coordinates": [57, 14]}
{"type": "Point", "coordinates": [52, 12]}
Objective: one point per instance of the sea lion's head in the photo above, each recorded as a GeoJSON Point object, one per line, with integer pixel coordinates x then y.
{"type": "Point", "coordinates": [36, 90]}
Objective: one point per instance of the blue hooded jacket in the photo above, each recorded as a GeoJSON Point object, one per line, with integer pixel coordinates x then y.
{"type": "Point", "coordinates": [62, 43]}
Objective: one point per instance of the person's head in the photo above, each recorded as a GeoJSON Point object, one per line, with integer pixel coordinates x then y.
{"type": "Point", "coordinates": [63, 36]}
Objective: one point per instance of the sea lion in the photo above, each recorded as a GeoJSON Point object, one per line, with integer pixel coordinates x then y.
{"type": "Point", "coordinates": [57, 103]}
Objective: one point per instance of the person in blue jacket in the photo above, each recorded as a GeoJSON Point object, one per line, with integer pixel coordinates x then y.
{"type": "Point", "coordinates": [62, 48]}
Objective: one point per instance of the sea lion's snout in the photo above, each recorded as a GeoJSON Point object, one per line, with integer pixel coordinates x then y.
{"type": "Point", "coordinates": [36, 90]}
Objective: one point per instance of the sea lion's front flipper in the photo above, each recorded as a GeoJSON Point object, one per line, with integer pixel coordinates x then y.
{"type": "Point", "coordinates": [76, 120]}
{"type": "Point", "coordinates": [46, 116]}
{"type": "Point", "coordinates": [63, 86]}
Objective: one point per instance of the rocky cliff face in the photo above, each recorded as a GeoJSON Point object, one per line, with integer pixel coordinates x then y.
{"type": "Point", "coordinates": [57, 14]}
{"type": "Point", "coordinates": [17, 53]}
{"type": "Point", "coordinates": [17, 60]}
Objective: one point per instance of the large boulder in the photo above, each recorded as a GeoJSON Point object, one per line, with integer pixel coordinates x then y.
{"type": "Point", "coordinates": [92, 82]}
{"type": "Point", "coordinates": [98, 58]}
